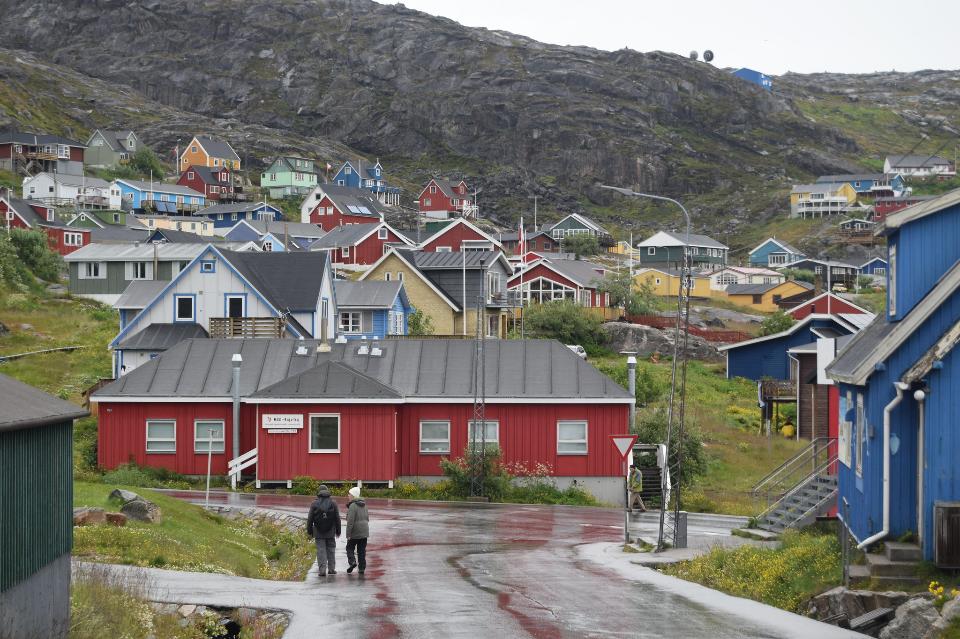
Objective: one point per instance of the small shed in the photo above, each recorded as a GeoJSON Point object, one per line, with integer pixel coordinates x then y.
{"type": "Point", "coordinates": [36, 511]}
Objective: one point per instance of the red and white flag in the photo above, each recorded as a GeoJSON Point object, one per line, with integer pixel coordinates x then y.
{"type": "Point", "coordinates": [521, 240]}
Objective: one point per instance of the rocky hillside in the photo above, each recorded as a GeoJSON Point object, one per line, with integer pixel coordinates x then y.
{"type": "Point", "coordinates": [341, 78]}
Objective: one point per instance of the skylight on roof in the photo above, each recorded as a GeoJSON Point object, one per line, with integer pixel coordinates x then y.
{"type": "Point", "coordinates": [364, 210]}
{"type": "Point", "coordinates": [353, 208]}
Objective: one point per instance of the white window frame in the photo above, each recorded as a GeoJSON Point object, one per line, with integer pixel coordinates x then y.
{"type": "Point", "coordinates": [444, 249]}
{"type": "Point", "coordinates": [85, 272]}
{"type": "Point", "coordinates": [382, 233]}
{"type": "Point", "coordinates": [310, 433]}
{"type": "Point", "coordinates": [651, 250]}
{"type": "Point", "coordinates": [387, 276]}
{"type": "Point", "coordinates": [861, 423]}
{"type": "Point", "coordinates": [208, 266]}
{"type": "Point", "coordinates": [268, 246]}
{"type": "Point", "coordinates": [350, 329]}
{"type": "Point", "coordinates": [150, 439]}
{"type": "Point", "coordinates": [892, 280]}
{"type": "Point", "coordinates": [584, 440]}
{"type": "Point", "coordinates": [488, 422]}
{"type": "Point", "coordinates": [176, 308]}
{"type": "Point", "coordinates": [72, 239]}
{"type": "Point", "coordinates": [345, 251]}
{"type": "Point", "coordinates": [217, 444]}
{"type": "Point", "coordinates": [446, 441]}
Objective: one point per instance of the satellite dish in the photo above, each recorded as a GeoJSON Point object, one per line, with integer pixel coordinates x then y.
{"type": "Point", "coordinates": [694, 55]}
{"type": "Point", "coordinates": [708, 56]}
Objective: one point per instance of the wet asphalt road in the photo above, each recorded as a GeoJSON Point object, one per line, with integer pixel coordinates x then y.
{"type": "Point", "coordinates": [469, 570]}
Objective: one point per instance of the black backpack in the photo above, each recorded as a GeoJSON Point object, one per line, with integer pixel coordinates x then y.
{"type": "Point", "coordinates": [324, 521]}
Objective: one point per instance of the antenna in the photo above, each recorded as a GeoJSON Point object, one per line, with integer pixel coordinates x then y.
{"type": "Point", "coordinates": [708, 56]}
{"type": "Point", "coordinates": [694, 55]}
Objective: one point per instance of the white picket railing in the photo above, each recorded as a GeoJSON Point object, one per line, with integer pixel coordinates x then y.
{"type": "Point", "coordinates": [235, 466]}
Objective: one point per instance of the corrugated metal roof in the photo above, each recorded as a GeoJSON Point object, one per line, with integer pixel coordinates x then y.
{"type": "Point", "coordinates": [37, 138]}
{"type": "Point", "coordinates": [353, 201]}
{"type": "Point", "coordinates": [851, 177]}
{"type": "Point", "coordinates": [160, 337]}
{"type": "Point", "coordinates": [139, 293]}
{"type": "Point", "coordinates": [430, 368]}
{"type": "Point", "coordinates": [916, 161]}
{"type": "Point", "coordinates": [860, 347]}
{"type": "Point", "coordinates": [160, 187]}
{"type": "Point", "coordinates": [217, 148]}
{"type": "Point", "coordinates": [26, 407]}
{"type": "Point", "coordinates": [327, 380]}
{"type": "Point", "coordinates": [282, 277]}
{"type": "Point", "coordinates": [127, 252]}
{"type": "Point", "coordinates": [451, 259]}
{"type": "Point", "coordinates": [366, 294]}
{"type": "Point", "coordinates": [341, 236]}
{"type": "Point", "coordinates": [294, 229]}
{"type": "Point", "coordinates": [116, 235]}
{"type": "Point", "coordinates": [669, 238]}
{"type": "Point", "coordinates": [234, 207]}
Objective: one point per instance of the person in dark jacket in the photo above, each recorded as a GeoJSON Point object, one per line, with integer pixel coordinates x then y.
{"type": "Point", "coordinates": [323, 524]}
{"type": "Point", "coordinates": [358, 529]}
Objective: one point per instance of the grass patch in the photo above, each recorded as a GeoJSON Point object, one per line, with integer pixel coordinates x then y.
{"type": "Point", "coordinates": [190, 538]}
{"type": "Point", "coordinates": [786, 577]}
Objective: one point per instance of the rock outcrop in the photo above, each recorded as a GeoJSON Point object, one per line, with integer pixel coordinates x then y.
{"type": "Point", "coordinates": [912, 621]}
{"type": "Point", "coordinates": [646, 340]}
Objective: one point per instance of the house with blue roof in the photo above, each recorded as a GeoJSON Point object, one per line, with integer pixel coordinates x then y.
{"type": "Point", "coordinates": [369, 177]}
{"type": "Point", "coordinates": [226, 216]}
{"type": "Point", "coordinates": [275, 236]}
{"type": "Point", "coordinates": [158, 197]}
{"type": "Point", "coordinates": [898, 385]}
{"type": "Point", "coordinates": [371, 309]}
{"type": "Point", "coordinates": [762, 80]}
{"type": "Point", "coordinates": [871, 184]}
{"type": "Point", "coordinates": [775, 253]}
{"type": "Point", "coordinates": [226, 294]}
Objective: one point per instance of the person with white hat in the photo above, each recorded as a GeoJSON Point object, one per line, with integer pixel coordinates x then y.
{"type": "Point", "coordinates": [358, 529]}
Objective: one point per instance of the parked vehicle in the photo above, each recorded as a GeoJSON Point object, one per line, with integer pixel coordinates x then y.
{"type": "Point", "coordinates": [576, 348]}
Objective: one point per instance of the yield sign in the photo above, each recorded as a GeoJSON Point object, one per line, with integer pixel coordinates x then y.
{"type": "Point", "coordinates": [623, 443]}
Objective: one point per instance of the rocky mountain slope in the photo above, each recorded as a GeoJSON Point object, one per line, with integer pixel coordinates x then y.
{"type": "Point", "coordinates": [341, 78]}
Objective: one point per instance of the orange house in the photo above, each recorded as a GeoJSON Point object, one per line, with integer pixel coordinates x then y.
{"type": "Point", "coordinates": [206, 151]}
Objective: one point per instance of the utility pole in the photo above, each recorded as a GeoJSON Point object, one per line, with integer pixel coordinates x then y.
{"type": "Point", "coordinates": [478, 456]}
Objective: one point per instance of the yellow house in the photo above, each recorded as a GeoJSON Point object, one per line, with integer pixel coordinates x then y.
{"type": "Point", "coordinates": [666, 282]}
{"type": "Point", "coordinates": [206, 151]}
{"type": "Point", "coordinates": [764, 297]}
{"type": "Point", "coordinates": [623, 248]}
{"type": "Point", "coordinates": [445, 313]}
{"type": "Point", "coordinates": [817, 200]}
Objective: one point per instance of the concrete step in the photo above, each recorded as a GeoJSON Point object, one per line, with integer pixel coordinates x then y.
{"type": "Point", "coordinates": [898, 551]}
{"type": "Point", "coordinates": [880, 566]}
{"type": "Point", "coordinates": [859, 572]}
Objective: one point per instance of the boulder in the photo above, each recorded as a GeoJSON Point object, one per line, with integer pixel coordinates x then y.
{"type": "Point", "coordinates": [186, 610]}
{"type": "Point", "coordinates": [247, 616]}
{"type": "Point", "coordinates": [123, 496]}
{"type": "Point", "coordinates": [646, 340]}
{"type": "Point", "coordinates": [117, 519]}
{"type": "Point", "coordinates": [853, 603]}
{"type": "Point", "coordinates": [26, 327]}
{"type": "Point", "coordinates": [948, 614]}
{"type": "Point", "coordinates": [88, 516]}
{"type": "Point", "coordinates": [141, 509]}
{"type": "Point", "coordinates": [913, 619]}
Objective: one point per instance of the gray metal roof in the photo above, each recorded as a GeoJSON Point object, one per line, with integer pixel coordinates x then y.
{"type": "Point", "coordinates": [160, 337]}
{"type": "Point", "coordinates": [670, 238]}
{"type": "Point", "coordinates": [916, 161]}
{"type": "Point", "coordinates": [160, 187]}
{"type": "Point", "coordinates": [112, 234]}
{"type": "Point", "coordinates": [139, 293]}
{"type": "Point", "coordinates": [820, 187]}
{"type": "Point", "coordinates": [759, 289]}
{"type": "Point", "coordinates": [18, 137]}
{"type": "Point", "coordinates": [860, 347]}
{"type": "Point", "coordinates": [233, 207]}
{"type": "Point", "coordinates": [578, 271]}
{"type": "Point", "coordinates": [76, 180]}
{"type": "Point", "coordinates": [533, 370]}
{"type": "Point", "coordinates": [209, 174]}
{"type": "Point", "coordinates": [851, 177]}
{"type": "Point", "coordinates": [217, 148]}
{"type": "Point", "coordinates": [353, 201]}
{"type": "Point", "coordinates": [346, 235]}
{"type": "Point", "coordinates": [282, 277]}
{"type": "Point", "coordinates": [27, 407]}
{"type": "Point", "coordinates": [185, 237]}
{"type": "Point", "coordinates": [428, 260]}
{"type": "Point", "coordinates": [126, 252]}
{"type": "Point", "coordinates": [294, 229]}
{"type": "Point", "coordinates": [329, 379]}
{"type": "Point", "coordinates": [366, 294]}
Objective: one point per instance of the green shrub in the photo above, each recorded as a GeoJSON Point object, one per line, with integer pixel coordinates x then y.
{"type": "Point", "coordinates": [652, 429]}
{"type": "Point", "coordinates": [565, 321]}
{"type": "Point", "coordinates": [145, 476]}
{"type": "Point", "coordinates": [419, 323]}
{"type": "Point", "coordinates": [459, 472]}
{"type": "Point", "coordinates": [776, 323]}
{"type": "Point", "coordinates": [34, 251]}
{"type": "Point", "coordinates": [305, 485]}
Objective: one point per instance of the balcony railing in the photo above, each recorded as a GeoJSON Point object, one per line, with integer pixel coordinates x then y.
{"type": "Point", "coordinates": [246, 327]}
{"type": "Point", "coordinates": [778, 389]}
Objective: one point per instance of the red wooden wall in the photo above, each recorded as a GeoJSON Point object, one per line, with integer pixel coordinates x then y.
{"type": "Point", "coordinates": [453, 237]}
{"type": "Point", "coordinates": [330, 222]}
{"type": "Point", "coordinates": [367, 252]}
{"type": "Point", "coordinates": [820, 306]}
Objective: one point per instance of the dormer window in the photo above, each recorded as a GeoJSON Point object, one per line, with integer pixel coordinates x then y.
{"type": "Point", "coordinates": [378, 172]}
{"type": "Point", "coordinates": [190, 175]}
{"type": "Point", "coordinates": [347, 171]}
{"type": "Point", "coordinates": [49, 215]}
{"type": "Point", "coordinates": [216, 161]}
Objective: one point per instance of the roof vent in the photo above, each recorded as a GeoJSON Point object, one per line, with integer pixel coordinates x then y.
{"type": "Point", "coordinates": [364, 349]}
{"type": "Point", "coordinates": [341, 339]}
{"type": "Point", "coordinates": [302, 350]}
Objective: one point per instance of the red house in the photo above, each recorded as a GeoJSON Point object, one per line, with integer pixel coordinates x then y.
{"type": "Point", "coordinates": [443, 196]}
{"type": "Point", "coordinates": [374, 412]}
{"type": "Point", "coordinates": [535, 241]}
{"type": "Point", "coordinates": [213, 182]}
{"type": "Point", "coordinates": [34, 153]}
{"type": "Point", "coordinates": [547, 280]}
{"type": "Point", "coordinates": [341, 205]}
{"type": "Point", "coordinates": [826, 304]}
{"type": "Point", "coordinates": [359, 245]}
{"type": "Point", "coordinates": [460, 235]}
{"type": "Point", "coordinates": [26, 214]}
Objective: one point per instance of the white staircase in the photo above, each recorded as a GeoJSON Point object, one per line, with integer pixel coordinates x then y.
{"type": "Point", "coordinates": [237, 465]}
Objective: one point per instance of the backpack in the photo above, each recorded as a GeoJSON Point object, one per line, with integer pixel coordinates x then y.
{"type": "Point", "coordinates": [324, 521]}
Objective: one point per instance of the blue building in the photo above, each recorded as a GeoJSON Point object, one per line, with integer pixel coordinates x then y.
{"type": "Point", "coordinates": [766, 357]}
{"type": "Point", "coordinates": [760, 79]}
{"type": "Point", "coordinates": [776, 253]}
{"type": "Point", "coordinates": [226, 216]}
{"type": "Point", "coordinates": [873, 184]}
{"type": "Point", "coordinates": [275, 236]}
{"type": "Point", "coordinates": [876, 266]}
{"type": "Point", "coordinates": [369, 177]}
{"type": "Point", "coordinates": [371, 308]}
{"type": "Point", "coordinates": [899, 382]}
{"type": "Point", "coordinates": [139, 195]}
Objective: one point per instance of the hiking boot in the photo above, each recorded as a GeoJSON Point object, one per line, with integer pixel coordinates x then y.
{"type": "Point", "coordinates": [361, 570]}
{"type": "Point", "coordinates": [331, 572]}
{"type": "Point", "coordinates": [350, 568]}
{"type": "Point", "coordinates": [321, 573]}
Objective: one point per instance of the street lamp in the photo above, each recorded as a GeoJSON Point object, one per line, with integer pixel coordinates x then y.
{"type": "Point", "coordinates": [683, 312]}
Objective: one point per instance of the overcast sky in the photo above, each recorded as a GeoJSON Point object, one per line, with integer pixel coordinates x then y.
{"type": "Point", "coordinates": [775, 36]}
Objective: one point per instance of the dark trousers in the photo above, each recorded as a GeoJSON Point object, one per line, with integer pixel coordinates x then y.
{"type": "Point", "coordinates": [326, 554]}
{"type": "Point", "coordinates": [361, 558]}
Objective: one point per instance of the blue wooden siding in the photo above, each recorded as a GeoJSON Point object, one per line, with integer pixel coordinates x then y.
{"type": "Point", "coordinates": [761, 256]}
{"type": "Point", "coordinates": [926, 249]}
{"type": "Point", "coordinates": [942, 441]}
{"type": "Point", "coordinates": [137, 197]}
{"type": "Point", "coordinates": [769, 358]}
{"type": "Point", "coordinates": [229, 220]}
{"type": "Point", "coordinates": [870, 268]}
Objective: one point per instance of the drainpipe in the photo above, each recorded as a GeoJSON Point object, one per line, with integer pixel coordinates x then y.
{"type": "Point", "coordinates": [920, 396]}
{"type": "Point", "coordinates": [900, 387]}
{"type": "Point", "coordinates": [236, 361]}
{"type": "Point", "coordinates": [632, 387]}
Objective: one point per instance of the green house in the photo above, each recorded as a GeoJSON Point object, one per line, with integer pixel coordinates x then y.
{"type": "Point", "coordinates": [36, 511]}
{"type": "Point", "coordinates": [98, 219]}
{"type": "Point", "coordinates": [289, 176]}
{"type": "Point", "coordinates": [665, 249]}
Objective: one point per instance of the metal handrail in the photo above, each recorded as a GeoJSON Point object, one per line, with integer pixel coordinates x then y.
{"type": "Point", "coordinates": [832, 459]}
{"type": "Point", "coordinates": [832, 494]}
{"type": "Point", "coordinates": [814, 445]}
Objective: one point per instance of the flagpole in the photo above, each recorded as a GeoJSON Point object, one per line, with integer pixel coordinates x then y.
{"type": "Point", "coordinates": [523, 249]}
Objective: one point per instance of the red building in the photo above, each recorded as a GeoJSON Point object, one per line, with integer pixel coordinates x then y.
{"type": "Point", "coordinates": [826, 304]}
{"type": "Point", "coordinates": [460, 235]}
{"type": "Point", "coordinates": [337, 205]}
{"type": "Point", "coordinates": [884, 206]}
{"type": "Point", "coordinates": [535, 241]}
{"type": "Point", "coordinates": [213, 182]}
{"type": "Point", "coordinates": [366, 411]}
{"type": "Point", "coordinates": [443, 196]}
{"type": "Point", "coordinates": [548, 280]}
{"type": "Point", "coordinates": [26, 214]}
{"type": "Point", "coordinates": [37, 152]}
{"type": "Point", "coordinates": [359, 245]}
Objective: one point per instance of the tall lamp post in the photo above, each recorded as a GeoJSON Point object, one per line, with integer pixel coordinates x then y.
{"type": "Point", "coordinates": [680, 337]}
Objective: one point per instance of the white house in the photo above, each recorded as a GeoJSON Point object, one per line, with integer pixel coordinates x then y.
{"type": "Point", "coordinates": [919, 166]}
{"type": "Point", "coordinates": [719, 280]}
{"type": "Point", "coordinates": [63, 189]}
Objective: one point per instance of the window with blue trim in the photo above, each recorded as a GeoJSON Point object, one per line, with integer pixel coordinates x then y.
{"type": "Point", "coordinates": [208, 266]}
